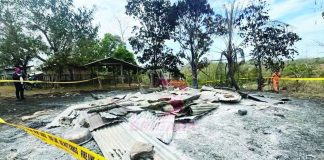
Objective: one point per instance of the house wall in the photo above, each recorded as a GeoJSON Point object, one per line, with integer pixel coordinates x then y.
{"type": "Point", "coordinates": [76, 75]}
{"type": "Point", "coordinates": [7, 74]}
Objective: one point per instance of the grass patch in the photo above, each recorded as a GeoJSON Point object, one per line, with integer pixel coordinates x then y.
{"type": "Point", "coordinates": [9, 91]}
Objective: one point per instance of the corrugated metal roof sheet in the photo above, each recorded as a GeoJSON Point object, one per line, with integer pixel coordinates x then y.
{"type": "Point", "coordinates": [198, 110]}
{"type": "Point", "coordinates": [113, 61]}
{"type": "Point", "coordinates": [116, 141]}
{"type": "Point", "coordinates": [160, 127]}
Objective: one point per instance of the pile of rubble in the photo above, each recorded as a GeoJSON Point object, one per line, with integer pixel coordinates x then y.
{"type": "Point", "coordinates": [139, 125]}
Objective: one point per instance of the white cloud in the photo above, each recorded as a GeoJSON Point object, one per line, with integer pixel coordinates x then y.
{"type": "Point", "coordinates": [279, 9]}
{"type": "Point", "coordinates": [107, 14]}
{"type": "Point", "coordinates": [310, 27]}
{"type": "Point", "coordinates": [308, 23]}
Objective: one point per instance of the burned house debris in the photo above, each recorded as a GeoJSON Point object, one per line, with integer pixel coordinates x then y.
{"type": "Point", "coordinates": [139, 125]}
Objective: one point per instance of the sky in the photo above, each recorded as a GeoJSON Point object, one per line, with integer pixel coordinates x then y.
{"type": "Point", "coordinates": [303, 16]}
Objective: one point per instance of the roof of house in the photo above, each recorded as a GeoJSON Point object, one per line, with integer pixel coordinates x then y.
{"type": "Point", "coordinates": [50, 67]}
{"type": "Point", "coordinates": [13, 68]}
{"type": "Point", "coordinates": [110, 61]}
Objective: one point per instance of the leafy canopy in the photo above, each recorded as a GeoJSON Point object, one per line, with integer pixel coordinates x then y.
{"type": "Point", "coordinates": [272, 41]}
{"type": "Point", "coordinates": [157, 23]}
{"type": "Point", "coordinates": [17, 46]}
{"type": "Point", "coordinates": [68, 31]}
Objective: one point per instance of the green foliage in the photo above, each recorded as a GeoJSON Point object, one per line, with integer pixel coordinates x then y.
{"type": "Point", "coordinates": [300, 70]}
{"type": "Point", "coordinates": [109, 45]}
{"type": "Point", "coordinates": [84, 52]}
{"type": "Point", "coordinates": [112, 46]}
{"type": "Point", "coordinates": [247, 74]}
{"type": "Point", "coordinates": [123, 54]}
{"type": "Point", "coordinates": [64, 27]}
{"type": "Point", "coordinates": [157, 23]}
{"type": "Point", "coordinates": [17, 48]}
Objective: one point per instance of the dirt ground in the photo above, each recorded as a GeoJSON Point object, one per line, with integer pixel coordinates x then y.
{"type": "Point", "coordinates": [294, 130]}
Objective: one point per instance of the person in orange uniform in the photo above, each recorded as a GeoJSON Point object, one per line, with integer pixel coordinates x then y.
{"type": "Point", "coordinates": [275, 81]}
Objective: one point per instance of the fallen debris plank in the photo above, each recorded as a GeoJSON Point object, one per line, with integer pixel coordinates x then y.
{"type": "Point", "coordinates": [230, 97]}
{"type": "Point", "coordinates": [186, 119]}
{"type": "Point", "coordinates": [226, 96]}
{"type": "Point", "coordinates": [36, 114]}
{"type": "Point", "coordinates": [118, 111]}
{"type": "Point", "coordinates": [107, 116]}
{"type": "Point", "coordinates": [197, 111]}
{"type": "Point", "coordinates": [264, 99]}
{"type": "Point", "coordinates": [95, 121]}
{"type": "Point", "coordinates": [142, 150]}
{"type": "Point", "coordinates": [103, 108]}
{"type": "Point", "coordinates": [78, 135]}
{"type": "Point", "coordinates": [88, 105]}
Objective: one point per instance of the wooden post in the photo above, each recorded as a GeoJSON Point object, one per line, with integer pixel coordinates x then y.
{"type": "Point", "coordinates": [122, 74]}
{"type": "Point", "coordinates": [92, 76]}
{"type": "Point", "coordinates": [138, 78]}
{"type": "Point", "coordinates": [114, 77]}
{"type": "Point", "coordinates": [99, 80]}
{"type": "Point", "coordinates": [129, 74]}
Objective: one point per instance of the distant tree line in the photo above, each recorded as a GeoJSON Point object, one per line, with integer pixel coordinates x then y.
{"type": "Point", "coordinates": [194, 25]}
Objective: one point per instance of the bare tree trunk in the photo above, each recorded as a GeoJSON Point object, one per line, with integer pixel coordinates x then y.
{"type": "Point", "coordinates": [260, 77]}
{"type": "Point", "coordinates": [24, 68]}
{"type": "Point", "coordinates": [229, 53]}
{"type": "Point", "coordinates": [194, 75]}
{"type": "Point", "coordinates": [231, 74]}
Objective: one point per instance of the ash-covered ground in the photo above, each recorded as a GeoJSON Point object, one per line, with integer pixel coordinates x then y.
{"type": "Point", "coordinates": [294, 130]}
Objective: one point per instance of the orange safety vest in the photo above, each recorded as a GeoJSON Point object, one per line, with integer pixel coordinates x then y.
{"type": "Point", "coordinates": [275, 81]}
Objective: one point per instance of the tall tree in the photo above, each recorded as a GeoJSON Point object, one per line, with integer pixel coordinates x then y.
{"type": "Point", "coordinates": [156, 25]}
{"type": "Point", "coordinates": [63, 26]}
{"type": "Point", "coordinates": [196, 25]}
{"type": "Point", "coordinates": [17, 47]}
{"type": "Point", "coordinates": [272, 42]}
{"type": "Point", "coordinates": [229, 25]}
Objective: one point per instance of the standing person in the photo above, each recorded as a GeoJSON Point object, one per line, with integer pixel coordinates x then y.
{"type": "Point", "coordinates": [275, 81]}
{"type": "Point", "coordinates": [19, 76]}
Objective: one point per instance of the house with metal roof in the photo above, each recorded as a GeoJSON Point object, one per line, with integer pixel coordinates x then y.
{"type": "Point", "coordinates": [111, 70]}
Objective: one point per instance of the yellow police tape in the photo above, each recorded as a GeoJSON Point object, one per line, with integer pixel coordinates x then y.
{"type": "Point", "coordinates": [282, 79]}
{"type": "Point", "coordinates": [297, 79]}
{"type": "Point", "coordinates": [302, 79]}
{"type": "Point", "coordinates": [71, 82]}
{"type": "Point", "coordinates": [72, 148]}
